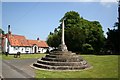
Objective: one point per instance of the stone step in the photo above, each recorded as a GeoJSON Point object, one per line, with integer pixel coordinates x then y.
{"type": "Point", "coordinates": [62, 53]}
{"type": "Point", "coordinates": [52, 63]}
{"type": "Point", "coordinates": [59, 56]}
{"type": "Point", "coordinates": [59, 67]}
{"type": "Point", "coordinates": [63, 59]}
{"type": "Point", "coordinates": [52, 56]}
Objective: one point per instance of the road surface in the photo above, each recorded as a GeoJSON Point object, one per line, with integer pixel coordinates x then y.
{"type": "Point", "coordinates": [18, 68]}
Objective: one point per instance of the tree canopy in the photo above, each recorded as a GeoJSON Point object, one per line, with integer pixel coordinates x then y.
{"type": "Point", "coordinates": [1, 31]}
{"type": "Point", "coordinates": [78, 31]}
{"type": "Point", "coordinates": [113, 41]}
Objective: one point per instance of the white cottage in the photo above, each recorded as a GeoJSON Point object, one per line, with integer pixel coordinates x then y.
{"type": "Point", "coordinates": [12, 44]}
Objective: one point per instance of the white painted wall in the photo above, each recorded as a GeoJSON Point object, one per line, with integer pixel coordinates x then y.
{"type": "Point", "coordinates": [51, 48]}
{"type": "Point", "coordinates": [15, 49]}
{"type": "Point", "coordinates": [42, 50]}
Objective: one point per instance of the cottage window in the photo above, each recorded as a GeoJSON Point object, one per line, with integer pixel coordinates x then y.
{"type": "Point", "coordinates": [16, 48]}
{"type": "Point", "coordinates": [27, 49]}
{"type": "Point", "coordinates": [22, 49]}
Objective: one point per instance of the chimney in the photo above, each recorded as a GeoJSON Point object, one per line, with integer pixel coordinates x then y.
{"type": "Point", "coordinates": [38, 38]}
{"type": "Point", "coordinates": [9, 32]}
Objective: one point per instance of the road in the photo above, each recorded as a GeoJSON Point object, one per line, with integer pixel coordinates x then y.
{"type": "Point", "coordinates": [18, 68]}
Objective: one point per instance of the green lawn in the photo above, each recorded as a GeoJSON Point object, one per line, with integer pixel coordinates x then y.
{"type": "Point", "coordinates": [103, 67]}
{"type": "Point", "coordinates": [23, 56]}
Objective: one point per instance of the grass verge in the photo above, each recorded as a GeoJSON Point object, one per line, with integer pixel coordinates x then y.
{"type": "Point", "coordinates": [103, 67]}
{"type": "Point", "coordinates": [22, 56]}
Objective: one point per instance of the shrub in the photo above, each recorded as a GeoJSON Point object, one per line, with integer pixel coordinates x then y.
{"type": "Point", "coordinates": [87, 48]}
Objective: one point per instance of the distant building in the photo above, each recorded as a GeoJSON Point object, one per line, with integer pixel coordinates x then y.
{"type": "Point", "coordinates": [12, 44]}
{"type": "Point", "coordinates": [1, 33]}
{"type": "Point", "coordinates": [0, 42]}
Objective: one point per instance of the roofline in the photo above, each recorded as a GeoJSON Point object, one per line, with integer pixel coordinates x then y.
{"type": "Point", "coordinates": [21, 46]}
{"type": "Point", "coordinates": [29, 46]}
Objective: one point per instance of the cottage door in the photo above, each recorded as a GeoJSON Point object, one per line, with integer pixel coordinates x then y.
{"type": "Point", "coordinates": [35, 49]}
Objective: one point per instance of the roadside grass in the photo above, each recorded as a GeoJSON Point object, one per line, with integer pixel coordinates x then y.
{"type": "Point", "coordinates": [22, 56]}
{"type": "Point", "coordinates": [105, 66]}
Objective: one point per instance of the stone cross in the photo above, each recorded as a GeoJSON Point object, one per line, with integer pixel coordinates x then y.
{"type": "Point", "coordinates": [62, 46]}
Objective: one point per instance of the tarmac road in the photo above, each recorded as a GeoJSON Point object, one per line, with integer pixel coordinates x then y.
{"type": "Point", "coordinates": [18, 68]}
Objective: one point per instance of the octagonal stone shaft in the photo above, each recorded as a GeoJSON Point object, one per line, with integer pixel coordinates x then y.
{"type": "Point", "coordinates": [62, 46]}
{"type": "Point", "coordinates": [63, 42]}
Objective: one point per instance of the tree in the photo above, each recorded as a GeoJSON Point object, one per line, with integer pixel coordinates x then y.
{"type": "Point", "coordinates": [1, 31]}
{"type": "Point", "coordinates": [72, 19]}
{"type": "Point", "coordinates": [87, 48]}
{"type": "Point", "coordinates": [95, 35]}
{"type": "Point", "coordinates": [113, 41]}
{"type": "Point", "coordinates": [74, 38]}
{"type": "Point", "coordinates": [53, 39]}
{"type": "Point", "coordinates": [78, 31]}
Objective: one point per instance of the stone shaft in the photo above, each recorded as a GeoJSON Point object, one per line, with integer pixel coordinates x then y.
{"type": "Point", "coordinates": [63, 42]}
{"type": "Point", "coordinates": [62, 46]}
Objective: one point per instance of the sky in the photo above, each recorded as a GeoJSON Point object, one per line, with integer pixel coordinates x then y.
{"type": "Point", "coordinates": [38, 19]}
{"type": "Point", "coordinates": [59, 0]}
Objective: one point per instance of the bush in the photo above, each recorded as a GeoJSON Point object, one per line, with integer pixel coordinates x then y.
{"type": "Point", "coordinates": [87, 48]}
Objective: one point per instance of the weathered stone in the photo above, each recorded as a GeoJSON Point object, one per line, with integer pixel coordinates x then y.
{"type": "Point", "coordinates": [62, 47]}
{"type": "Point", "coordinates": [62, 61]}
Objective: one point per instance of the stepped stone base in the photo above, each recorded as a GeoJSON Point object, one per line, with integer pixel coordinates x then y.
{"type": "Point", "coordinates": [61, 60]}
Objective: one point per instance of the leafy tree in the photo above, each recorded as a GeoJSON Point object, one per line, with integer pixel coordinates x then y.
{"type": "Point", "coordinates": [95, 35]}
{"type": "Point", "coordinates": [87, 48]}
{"type": "Point", "coordinates": [78, 31]}
{"type": "Point", "coordinates": [72, 19]}
{"type": "Point", "coordinates": [53, 40]}
{"type": "Point", "coordinates": [113, 41]}
{"type": "Point", "coordinates": [74, 38]}
{"type": "Point", "coordinates": [1, 31]}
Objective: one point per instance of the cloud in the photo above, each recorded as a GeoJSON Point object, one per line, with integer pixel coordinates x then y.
{"type": "Point", "coordinates": [108, 0]}
{"type": "Point", "coordinates": [87, 0]}
{"type": "Point", "coordinates": [108, 3]}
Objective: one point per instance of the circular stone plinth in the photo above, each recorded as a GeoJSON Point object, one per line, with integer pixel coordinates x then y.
{"type": "Point", "coordinates": [61, 60]}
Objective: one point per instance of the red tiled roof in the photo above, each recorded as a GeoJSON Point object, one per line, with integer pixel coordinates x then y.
{"type": "Point", "coordinates": [38, 43]}
{"type": "Point", "coordinates": [18, 40]}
